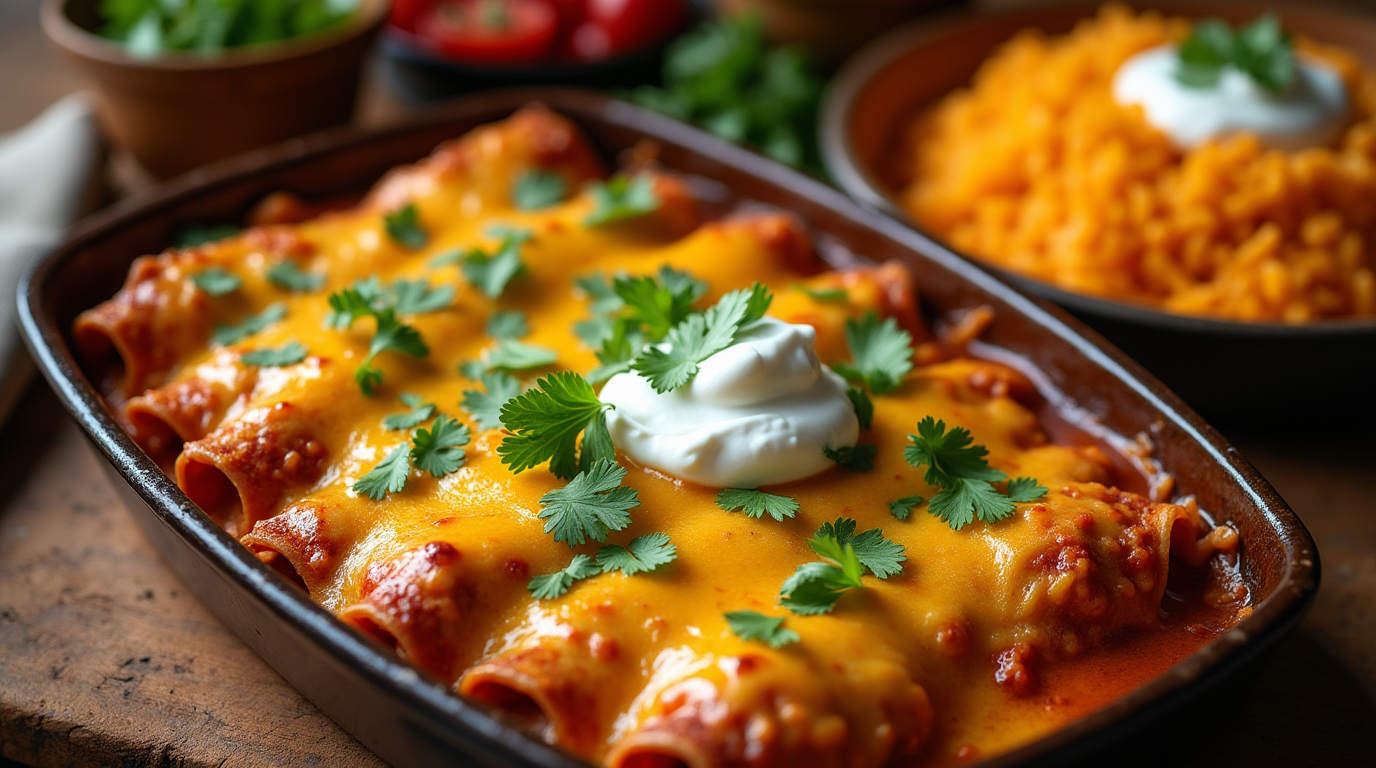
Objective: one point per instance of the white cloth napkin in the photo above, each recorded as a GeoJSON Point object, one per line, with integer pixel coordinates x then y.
{"type": "Point", "coordinates": [48, 173]}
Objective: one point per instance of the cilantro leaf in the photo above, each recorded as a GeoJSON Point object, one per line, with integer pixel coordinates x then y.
{"type": "Point", "coordinates": [591, 505]}
{"type": "Point", "coordinates": [644, 554]}
{"type": "Point", "coordinates": [290, 353]}
{"type": "Point", "coordinates": [485, 405]}
{"type": "Point", "coordinates": [856, 458]}
{"type": "Point", "coordinates": [215, 281]}
{"type": "Point", "coordinates": [229, 334]}
{"type": "Point", "coordinates": [597, 443]}
{"type": "Point", "coordinates": [599, 292]}
{"type": "Point", "coordinates": [902, 508]}
{"type": "Point", "coordinates": [618, 351]}
{"type": "Point", "coordinates": [392, 336]}
{"type": "Point", "coordinates": [960, 503]}
{"type": "Point", "coordinates": [351, 304]}
{"type": "Point", "coordinates": [948, 455]}
{"type": "Point", "coordinates": [416, 297]}
{"type": "Point", "coordinates": [289, 275]}
{"type": "Point", "coordinates": [507, 325]}
{"type": "Point", "coordinates": [403, 226]}
{"type": "Point", "coordinates": [1026, 489]}
{"type": "Point", "coordinates": [389, 476]}
{"type": "Point", "coordinates": [420, 413]}
{"type": "Point", "coordinates": [881, 556]}
{"type": "Point", "coordinates": [751, 625]}
{"type": "Point", "coordinates": [881, 353]}
{"type": "Point", "coordinates": [490, 274]}
{"type": "Point", "coordinates": [536, 189]}
{"type": "Point", "coordinates": [756, 503]}
{"type": "Point", "coordinates": [622, 198]}
{"type": "Point", "coordinates": [438, 450]}
{"type": "Point", "coordinates": [864, 409]}
{"type": "Point", "coordinates": [699, 337]}
{"type": "Point", "coordinates": [654, 304]}
{"type": "Point", "coordinates": [825, 295]}
{"type": "Point", "coordinates": [513, 355]}
{"type": "Point", "coordinates": [1261, 50]}
{"type": "Point", "coordinates": [555, 585]}
{"type": "Point", "coordinates": [814, 588]}
{"type": "Point", "coordinates": [192, 235]}
{"type": "Point", "coordinates": [546, 422]}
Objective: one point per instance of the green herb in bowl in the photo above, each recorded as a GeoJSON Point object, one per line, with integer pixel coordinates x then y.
{"type": "Point", "coordinates": [149, 28]}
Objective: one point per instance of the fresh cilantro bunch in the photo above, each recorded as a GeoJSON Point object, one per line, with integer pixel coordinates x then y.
{"type": "Point", "coordinates": [964, 476]}
{"type": "Point", "coordinates": [814, 588]}
{"type": "Point", "coordinates": [699, 336]}
{"type": "Point", "coordinates": [149, 28]}
{"type": "Point", "coordinates": [546, 421]}
{"type": "Point", "coordinates": [1261, 50]}
{"type": "Point", "coordinates": [724, 77]}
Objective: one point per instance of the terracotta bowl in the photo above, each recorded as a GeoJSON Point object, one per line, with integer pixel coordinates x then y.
{"type": "Point", "coordinates": [1224, 368]}
{"type": "Point", "coordinates": [182, 110]}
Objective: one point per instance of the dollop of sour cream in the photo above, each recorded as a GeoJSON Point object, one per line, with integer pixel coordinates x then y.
{"type": "Point", "coordinates": [1308, 113]}
{"type": "Point", "coordinates": [760, 412]}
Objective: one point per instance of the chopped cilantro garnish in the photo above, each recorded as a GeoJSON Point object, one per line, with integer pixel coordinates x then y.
{"type": "Point", "coordinates": [229, 334]}
{"type": "Point", "coordinates": [537, 189]}
{"type": "Point", "coordinates": [389, 476]}
{"type": "Point", "coordinates": [699, 337]}
{"type": "Point", "coordinates": [351, 304]}
{"type": "Point", "coordinates": [554, 585]}
{"type": "Point", "coordinates": [864, 409]}
{"type": "Point", "coordinates": [756, 503]}
{"type": "Point", "coordinates": [881, 353]}
{"type": "Point", "coordinates": [513, 355]}
{"type": "Point", "coordinates": [420, 413]}
{"type": "Point", "coordinates": [856, 458]}
{"type": "Point", "coordinates": [546, 422]}
{"type": "Point", "coordinates": [751, 625]}
{"type": "Point", "coordinates": [491, 273]}
{"type": "Point", "coordinates": [881, 556]}
{"type": "Point", "coordinates": [599, 292]}
{"type": "Point", "coordinates": [508, 325]}
{"type": "Point", "coordinates": [642, 555]}
{"type": "Point", "coordinates": [287, 274]}
{"type": "Point", "coordinates": [829, 295]}
{"type": "Point", "coordinates": [964, 476]}
{"type": "Point", "coordinates": [622, 198]}
{"type": "Point", "coordinates": [658, 305]}
{"type": "Point", "coordinates": [814, 588]}
{"type": "Point", "coordinates": [591, 505]}
{"type": "Point", "coordinates": [290, 353]}
{"type": "Point", "coordinates": [902, 508]}
{"type": "Point", "coordinates": [416, 297]}
{"type": "Point", "coordinates": [485, 405]}
{"type": "Point", "coordinates": [392, 336]}
{"type": "Point", "coordinates": [216, 281]}
{"type": "Point", "coordinates": [1261, 50]}
{"type": "Point", "coordinates": [618, 350]}
{"type": "Point", "coordinates": [438, 450]}
{"type": "Point", "coordinates": [403, 226]}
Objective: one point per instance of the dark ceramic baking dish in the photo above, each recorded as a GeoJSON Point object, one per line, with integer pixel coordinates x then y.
{"type": "Point", "coordinates": [1221, 367]}
{"type": "Point", "coordinates": [412, 720]}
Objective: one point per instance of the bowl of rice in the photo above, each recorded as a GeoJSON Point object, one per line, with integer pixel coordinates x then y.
{"type": "Point", "coordinates": [1241, 273]}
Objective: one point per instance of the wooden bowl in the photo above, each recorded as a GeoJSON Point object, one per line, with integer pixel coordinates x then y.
{"type": "Point", "coordinates": [411, 719]}
{"type": "Point", "coordinates": [1222, 367]}
{"type": "Point", "coordinates": [182, 109]}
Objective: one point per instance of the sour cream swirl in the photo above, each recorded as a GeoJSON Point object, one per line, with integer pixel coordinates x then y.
{"type": "Point", "coordinates": [760, 412]}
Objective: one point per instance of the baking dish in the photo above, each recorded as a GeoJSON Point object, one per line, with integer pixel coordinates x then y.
{"type": "Point", "coordinates": [408, 718]}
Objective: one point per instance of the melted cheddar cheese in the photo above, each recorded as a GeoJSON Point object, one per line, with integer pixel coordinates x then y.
{"type": "Point", "coordinates": [630, 670]}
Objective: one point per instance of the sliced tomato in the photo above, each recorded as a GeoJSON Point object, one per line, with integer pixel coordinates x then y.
{"type": "Point", "coordinates": [406, 14]}
{"type": "Point", "coordinates": [491, 31]}
{"type": "Point", "coordinates": [631, 24]}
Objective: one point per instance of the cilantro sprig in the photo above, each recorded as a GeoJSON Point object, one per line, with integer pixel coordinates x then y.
{"type": "Point", "coordinates": [879, 555]}
{"type": "Point", "coordinates": [699, 336]}
{"type": "Point", "coordinates": [1261, 50]}
{"type": "Point", "coordinates": [752, 625]}
{"type": "Point", "coordinates": [537, 189]}
{"type": "Point", "coordinates": [515, 355]}
{"type": "Point", "coordinates": [757, 503]}
{"type": "Point", "coordinates": [215, 281]}
{"type": "Point", "coordinates": [438, 451]}
{"type": "Point", "coordinates": [856, 458]}
{"type": "Point", "coordinates": [551, 586]}
{"type": "Point", "coordinates": [814, 588]}
{"type": "Point", "coordinates": [960, 470]}
{"type": "Point", "coordinates": [403, 227]}
{"type": "Point", "coordinates": [593, 504]}
{"type": "Point", "coordinates": [622, 198]}
{"type": "Point", "coordinates": [392, 336]}
{"type": "Point", "coordinates": [546, 422]}
{"type": "Point", "coordinates": [225, 335]}
{"type": "Point", "coordinates": [903, 508]}
{"type": "Point", "coordinates": [290, 353]}
{"type": "Point", "coordinates": [631, 311]}
{"type": "Point", "coordinates": [881, 353]}
{"type": "Point", "coordinates": [288, 275]}
{"type": "Point", "coordinates": [642, 555]}
{"type": "Point", "coordinates": [485, 405]}
{"type": "Point", "coordinates": [420, 412]}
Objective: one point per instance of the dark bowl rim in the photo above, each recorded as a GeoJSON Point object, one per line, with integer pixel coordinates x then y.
{"type": "Point", "coordinates": [1253, 636]}
{"type": "Point", "coordinates": [841, 161]}
{"type": "Point", "coordinates": [79, 41]}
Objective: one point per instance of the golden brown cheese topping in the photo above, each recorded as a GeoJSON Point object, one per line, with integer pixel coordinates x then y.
{"type": "Point", "coordinates": [243, 377]}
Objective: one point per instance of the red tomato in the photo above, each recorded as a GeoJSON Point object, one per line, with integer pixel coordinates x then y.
{"type": "Point", "coordinates": [631, 24]}
{"type": "Point", "coordinates": [491, 31]}
{"type": "Point", "coordinates": [406, 14]}
{"type": "Point", "coordinates": [571, 13]}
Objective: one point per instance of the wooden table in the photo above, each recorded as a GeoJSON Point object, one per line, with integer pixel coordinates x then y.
{"type": "Point", "coordinates": [106, 659]}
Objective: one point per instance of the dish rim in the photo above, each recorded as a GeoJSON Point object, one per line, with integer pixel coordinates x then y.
{"type": "Point", "coordinates": [1270, 620]}
{"type": "Point", "coordinates": [842, 162]}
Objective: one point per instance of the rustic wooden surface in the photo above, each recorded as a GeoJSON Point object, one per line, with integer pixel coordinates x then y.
{"type": "Point", "coordinates": [105, 659]}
